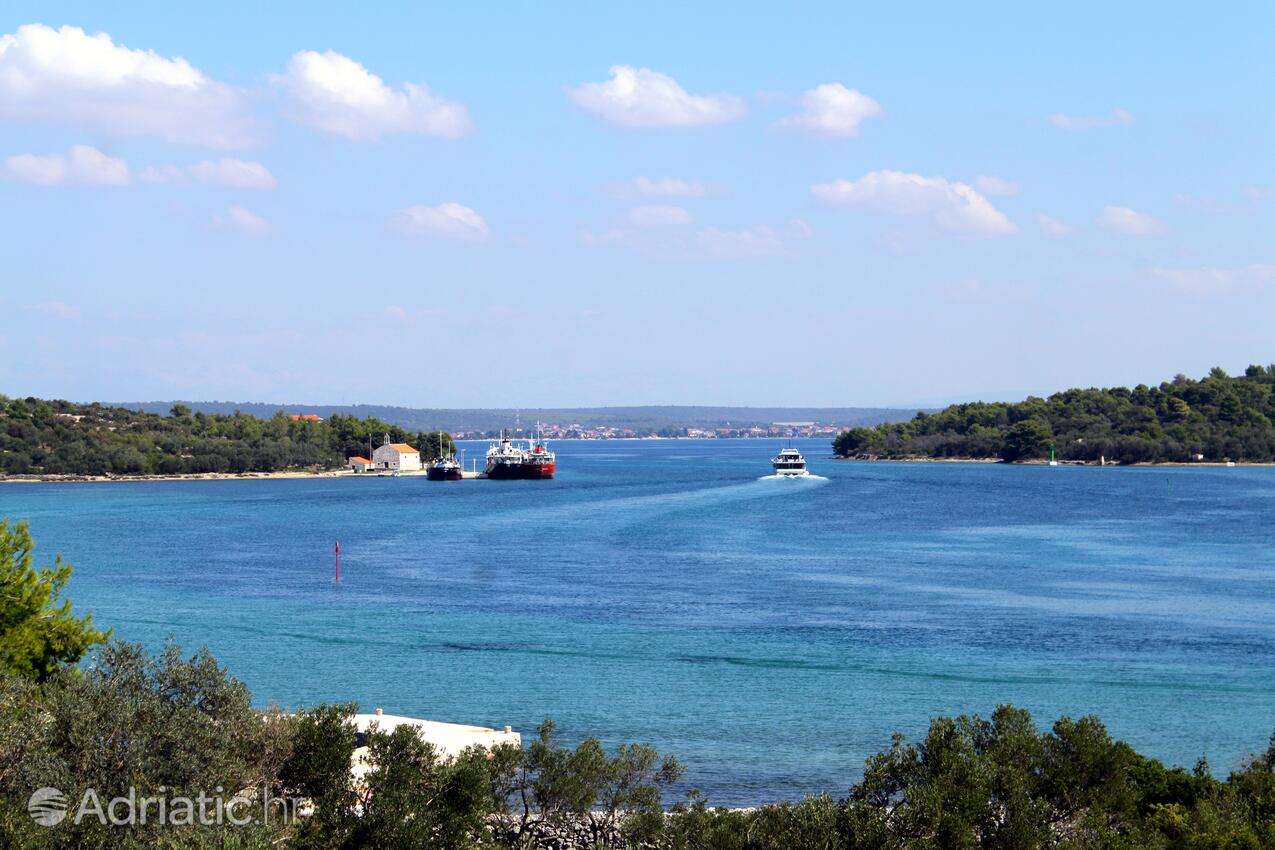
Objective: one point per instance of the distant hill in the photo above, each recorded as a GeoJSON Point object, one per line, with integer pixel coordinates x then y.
{"type": "Point", "coordinates": [650, 418]}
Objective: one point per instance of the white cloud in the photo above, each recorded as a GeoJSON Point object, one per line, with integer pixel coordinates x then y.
{"type": "Point", "coordinates": [658, 215]}
{"type": "Point", "coordinates": [640, 97]}
{"type": "Point", "coordinates": [336, 94]}
{"type": "Point", "coordinates": [70, 77]}
{"type": "Point", "coordinates": [1127, 221]}
{"type": "Point", "coordinates": [82, 165]}
{"type": "Point", "coordinates": [800, 229]}
{"type": "Point", "coordinates": [450, 220]}
{"type": "Point", "coordinates": [663, 187]}
{"type": "Point", "coordinates": [1209, 280]}
{"type": "Point", "coordinates": [162, 174]}
{"type": "Point", "coordinates": [761, 241]}
{"type": "Point", "coordinates": [230, 173]}
{"type": "Point", "coordinates": [953, 206]}
{"type": "Point", "coordinates": [57, 309]}
{"type": "Point", "coordinates": [234, 174]}
{"type": "Point", "coordinates": [710, 243]}
{"type": "Point", "coordinates": [1051, 226]}
{"type": "Point", "coordinates": [245, 221]}
{"type": "Point", "coordinates": [1114, 118]}
{"type": "Point", "coordinates": [996, 185]}
{"type": "Point", "coordinates": [831, 111]}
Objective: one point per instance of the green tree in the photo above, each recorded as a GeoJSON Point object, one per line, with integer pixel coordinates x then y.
{"type": "Point", "coordinates": [415, 797]}
{"type": "Point", "coordinates": [318, 769]}
{"type": "Point", "coordinates": [858, 441]}
{"type": "Point", "coordinates": [1027, 439]}
{"type": "Point", "coordinates": [153, 726]}
{"type": "Point", "coordinates": [37, 634]}
{"type": "Point", "coordinates": [605, 800]}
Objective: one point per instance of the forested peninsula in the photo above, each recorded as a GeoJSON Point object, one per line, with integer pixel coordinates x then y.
{"type": "Point", "coordinates": [1220, 418]}
{"type": "Point", "coordinates": [60, 438]}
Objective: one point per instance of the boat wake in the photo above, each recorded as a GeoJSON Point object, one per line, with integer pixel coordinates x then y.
{"type": "Point", "coordinates": [807, 477]}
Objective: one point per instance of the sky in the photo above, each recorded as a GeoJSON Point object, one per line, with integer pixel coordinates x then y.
{"type": "Point", "coordinates": [540, 205]}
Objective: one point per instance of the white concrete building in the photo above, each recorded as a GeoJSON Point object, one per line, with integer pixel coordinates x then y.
{"type": "Point", "coordinates": [396, 457]}
{"type": "Point", "coordinates": [360, 464]}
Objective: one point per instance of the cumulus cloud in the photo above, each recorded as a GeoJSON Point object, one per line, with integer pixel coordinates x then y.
{"type": "Point", "coordinates": [336, 94]}
{"type": "Point", "coordinates": [67, 76]}
{"type": "Point", "coordinates": [996, 185]}
{"type": "Point", "coordinates": [163, 174]}
{"type": "Point", "coordinates": [710, 243]}
{"type": "Point", "coordinates": [1114, 118]}
{"type": "Point", "coordinates": [82, 165]}
{"type": "Point", "coordinates": [244, 221]}
{"type": "Point", "coordinates": [1129, 222]}
{"type": "Point", "coordinates": [658, 215]}
{"type": "Point", "coordinates": [831, 111]}
{"type": "Point", "coordinates": [234, 174]}
{"type": "Point", "coordinates": [640, 97]}
{"type": "Point", "coordinates": [230, 173]}
{"type": "Point", "coordinates": [1051, 226]}
{"type": "Point", "coordinates": [663, 187]}
{"type": "Point", "coordinates": [800, 229]}
{"type": "Point", "coordinates": [1210, 280]}
{"type": "Point", "coordinates": [449, 221]}
{"type": "Point", "coordinates": [953, 206]}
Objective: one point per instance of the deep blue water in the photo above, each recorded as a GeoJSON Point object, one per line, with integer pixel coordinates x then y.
{"type": "Point", "coordinates": [772, 634]}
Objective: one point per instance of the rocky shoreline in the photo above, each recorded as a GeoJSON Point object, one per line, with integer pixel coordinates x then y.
{"type": "Point", "coordinates": [70, 478]}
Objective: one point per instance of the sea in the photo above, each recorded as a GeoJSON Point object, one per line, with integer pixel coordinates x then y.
{"type": "Point", "coordinates": [772, 634]}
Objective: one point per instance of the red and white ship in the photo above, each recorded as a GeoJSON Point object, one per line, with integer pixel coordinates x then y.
{"type": "Point", "coordinates": [514, 460]}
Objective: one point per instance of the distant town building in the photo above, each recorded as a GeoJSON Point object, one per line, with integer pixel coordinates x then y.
{"type": "Point", "coordinates": [360, 464]}
{"type": "Point", "coordinates": [396, 457]}
{"type": "Point", "coordinates": [305, 417]}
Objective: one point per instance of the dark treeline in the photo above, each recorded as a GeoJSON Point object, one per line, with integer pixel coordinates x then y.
{"type": "Point", "coordinates": [130, 725]}
{"type": "Point", "coordinates": [60, 438]}
{"type": "Point", "coordinates": [1215, 419]}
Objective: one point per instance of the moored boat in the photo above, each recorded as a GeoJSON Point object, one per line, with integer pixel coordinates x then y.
{"type": "Point", "coordinates": [445, 467]}
{"type": "Point", "coordinates": [539, 462]}
{"type": "Point", "coordinates": [510, 460]}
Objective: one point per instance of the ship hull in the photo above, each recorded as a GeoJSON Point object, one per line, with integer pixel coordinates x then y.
{"type": "Point", "coordinates": [539, 470]}
{"type": "Point", "coordinates": [520, 471]}
{"type": "Point", "coordinates": [436, 474]}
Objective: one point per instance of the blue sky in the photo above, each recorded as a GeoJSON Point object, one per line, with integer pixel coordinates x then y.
{"type": "Point", "coordinates": [543, 205]}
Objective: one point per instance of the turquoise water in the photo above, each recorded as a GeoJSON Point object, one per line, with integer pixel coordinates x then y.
{"type": "Point", "coordinates": [771, 633]}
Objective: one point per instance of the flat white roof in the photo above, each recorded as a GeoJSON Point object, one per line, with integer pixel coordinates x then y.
{"type": "Point", "coordinates": [449, 738]}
